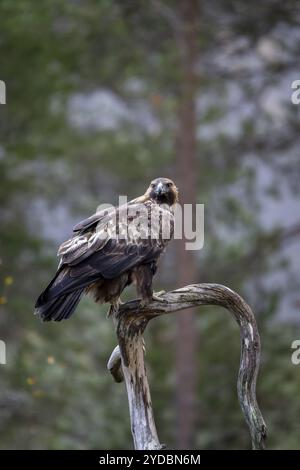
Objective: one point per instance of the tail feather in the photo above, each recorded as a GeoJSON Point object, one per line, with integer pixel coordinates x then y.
{"type": "Point", "coordinates": [62, 283]}
{"type": "Point", "coordinates": [59, 308]}
{"type": "Point", "coordinates": [60, 298]}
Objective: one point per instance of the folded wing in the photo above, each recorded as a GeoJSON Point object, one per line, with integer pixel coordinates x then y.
{"type": "Point", "coordinates": [108, 244]}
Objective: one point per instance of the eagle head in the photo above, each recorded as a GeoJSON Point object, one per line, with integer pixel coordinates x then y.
{"type": "Point", "coordinates": [163, 191]}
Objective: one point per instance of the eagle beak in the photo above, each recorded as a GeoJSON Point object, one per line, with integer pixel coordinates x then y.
{"type": "Point", "coordinates": [160, 189]}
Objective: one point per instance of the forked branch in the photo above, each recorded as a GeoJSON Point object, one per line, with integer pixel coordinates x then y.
{"type": "Point", "coordinates": [127, 359]}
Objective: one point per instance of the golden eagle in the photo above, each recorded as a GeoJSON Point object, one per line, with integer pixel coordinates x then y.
{"type": "Point", "coordinates": [110, 250]}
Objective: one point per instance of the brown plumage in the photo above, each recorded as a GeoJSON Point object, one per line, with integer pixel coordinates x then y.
{"type": "Point", "coordinates": [110, 250]}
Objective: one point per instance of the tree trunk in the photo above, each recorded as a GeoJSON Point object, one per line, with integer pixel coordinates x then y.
{"type": "Point", "coordinates": [186, 179]}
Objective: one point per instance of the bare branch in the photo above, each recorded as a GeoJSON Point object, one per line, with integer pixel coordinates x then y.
{"type": "Point", "coordinates": [131, 322]}
{"type": "Point", "coordinates": [114, 365]}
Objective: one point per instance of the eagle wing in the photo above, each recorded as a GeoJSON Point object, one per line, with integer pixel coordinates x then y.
{"type": "Point", "coordinates": [92, 221]}
{"type": "Point", "coordinates": [115, 242]}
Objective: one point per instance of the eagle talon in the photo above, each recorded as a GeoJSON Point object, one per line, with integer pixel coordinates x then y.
{"type": "Point", "coordinates": [113, 309]}
{"type": "Point", "coordinates": [156, 296]}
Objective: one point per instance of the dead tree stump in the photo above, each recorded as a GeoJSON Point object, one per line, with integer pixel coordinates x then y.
{"type": "Point", "coordinates": [127, 360]}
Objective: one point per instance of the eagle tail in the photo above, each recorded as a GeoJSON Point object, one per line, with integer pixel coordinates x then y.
{"type": "Point", "coordinates": [60, 298]}
{"type": "Point", "coordinates": [59, 308]}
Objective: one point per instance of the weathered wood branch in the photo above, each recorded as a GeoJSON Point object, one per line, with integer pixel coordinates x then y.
{"type": "Point", "coordinates": [127, 359]}
{"type": "Point", "coordinates": [114, 365]}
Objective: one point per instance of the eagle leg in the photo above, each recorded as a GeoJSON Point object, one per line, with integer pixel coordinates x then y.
{"type": "Point", "coordinates": [143, 278]}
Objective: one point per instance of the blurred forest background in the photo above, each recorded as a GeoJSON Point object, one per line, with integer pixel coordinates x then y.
{"type": "Point", "coordinates": [102, 96]}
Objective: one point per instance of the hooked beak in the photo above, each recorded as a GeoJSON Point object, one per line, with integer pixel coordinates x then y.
{"type": "Point", "coordinates": [160, 189]}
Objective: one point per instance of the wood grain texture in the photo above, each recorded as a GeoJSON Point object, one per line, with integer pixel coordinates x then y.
{"type": "Point", "coordinates": [127, 359]}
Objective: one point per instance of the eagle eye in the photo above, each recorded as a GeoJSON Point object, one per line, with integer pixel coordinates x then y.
{"type": "Point", "coordinates": [169, 185]}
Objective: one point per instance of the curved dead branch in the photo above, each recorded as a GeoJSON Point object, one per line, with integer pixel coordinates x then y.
{"type": "Point", "coordinates": [127, 359]}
